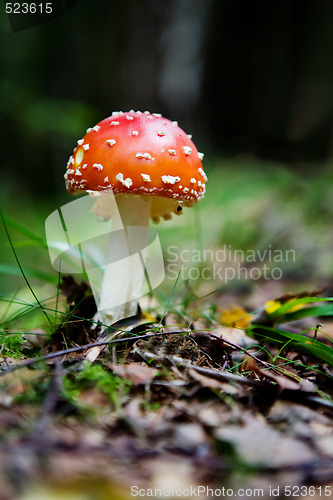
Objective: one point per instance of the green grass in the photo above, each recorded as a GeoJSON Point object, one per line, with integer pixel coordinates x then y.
{"type": "Point", "coordinates": [247, 206]}
{"type": "Point", "coordinates": [271, 327]}
{"type": "Point", "coordinates": [262, 207]}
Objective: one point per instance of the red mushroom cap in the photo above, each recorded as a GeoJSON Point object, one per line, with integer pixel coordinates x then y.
{"type": "Point", "coordinates": [138, 153]}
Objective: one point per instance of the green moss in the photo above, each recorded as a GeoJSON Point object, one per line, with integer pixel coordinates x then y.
{"type": "Point", "coordinates": [11, 344]}
{"type": "Point", "coordinates": [96, 376]}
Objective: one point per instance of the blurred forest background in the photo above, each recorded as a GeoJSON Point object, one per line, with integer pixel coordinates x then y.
{"type": "Point", "coordinates": [251, 80]}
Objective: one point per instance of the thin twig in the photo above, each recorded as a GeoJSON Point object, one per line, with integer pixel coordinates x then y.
{"type": "Point", "coordinates": [245, 351]}
{"type": "Point", "coordinates": [71, 350]}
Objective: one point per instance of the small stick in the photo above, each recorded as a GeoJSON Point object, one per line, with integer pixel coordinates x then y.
{"type": "Point", "coordinates": [316, 330]}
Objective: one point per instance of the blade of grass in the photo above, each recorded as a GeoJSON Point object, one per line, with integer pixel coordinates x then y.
{"type": "Point", "coordinates": [294, 303]}
{"type": "Point", "coordinates": [8, 221]}
{"type": "Point", "coordinates": [306, 345]}
{"type": "Point", "coordinates": [308, 311]}
{"type": "Point", "coordinates": [34, 273]}
{"type": "Point", "coordinates": [21, 269]}
{"type": "Point", "coordinates": [169, 303]}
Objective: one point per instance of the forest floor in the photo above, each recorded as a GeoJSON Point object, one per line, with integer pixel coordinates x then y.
{"type": "Point", "coordinates": [176, 405]}
{"type": "Point", "coordinates": [213, 390]}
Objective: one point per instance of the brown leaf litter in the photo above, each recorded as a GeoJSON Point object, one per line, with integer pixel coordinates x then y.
{"type": "Point", "coordinates": [202, 405]}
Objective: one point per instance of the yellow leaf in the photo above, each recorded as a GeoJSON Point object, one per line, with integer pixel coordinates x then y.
{"type": "Point", "coordinates": [235, 317]}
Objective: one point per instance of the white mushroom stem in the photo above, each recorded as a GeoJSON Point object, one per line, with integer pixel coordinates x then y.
{"type": "Point", "coordinates": [124, 272]}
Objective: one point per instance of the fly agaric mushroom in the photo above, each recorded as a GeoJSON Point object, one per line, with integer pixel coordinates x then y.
{"type": "Point", "coordinates": [152, 168]}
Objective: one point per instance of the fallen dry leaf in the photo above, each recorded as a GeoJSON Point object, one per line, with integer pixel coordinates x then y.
{"type": "Point", "coordinates": [211, 383]}
{"type": "Point", "coordinates": [258, 444]}
{"type": "Point", "coordinates": [236, 336]}
{"type": "Point", "coordinates": [135, 372]}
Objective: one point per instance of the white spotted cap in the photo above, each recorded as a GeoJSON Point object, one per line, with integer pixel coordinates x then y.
{"type": "Point", "coordinates": [142, 154]}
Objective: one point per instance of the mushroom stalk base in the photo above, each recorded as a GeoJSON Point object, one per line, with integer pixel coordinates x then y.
{"type": "Point", "coordinates": [124, 271]}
